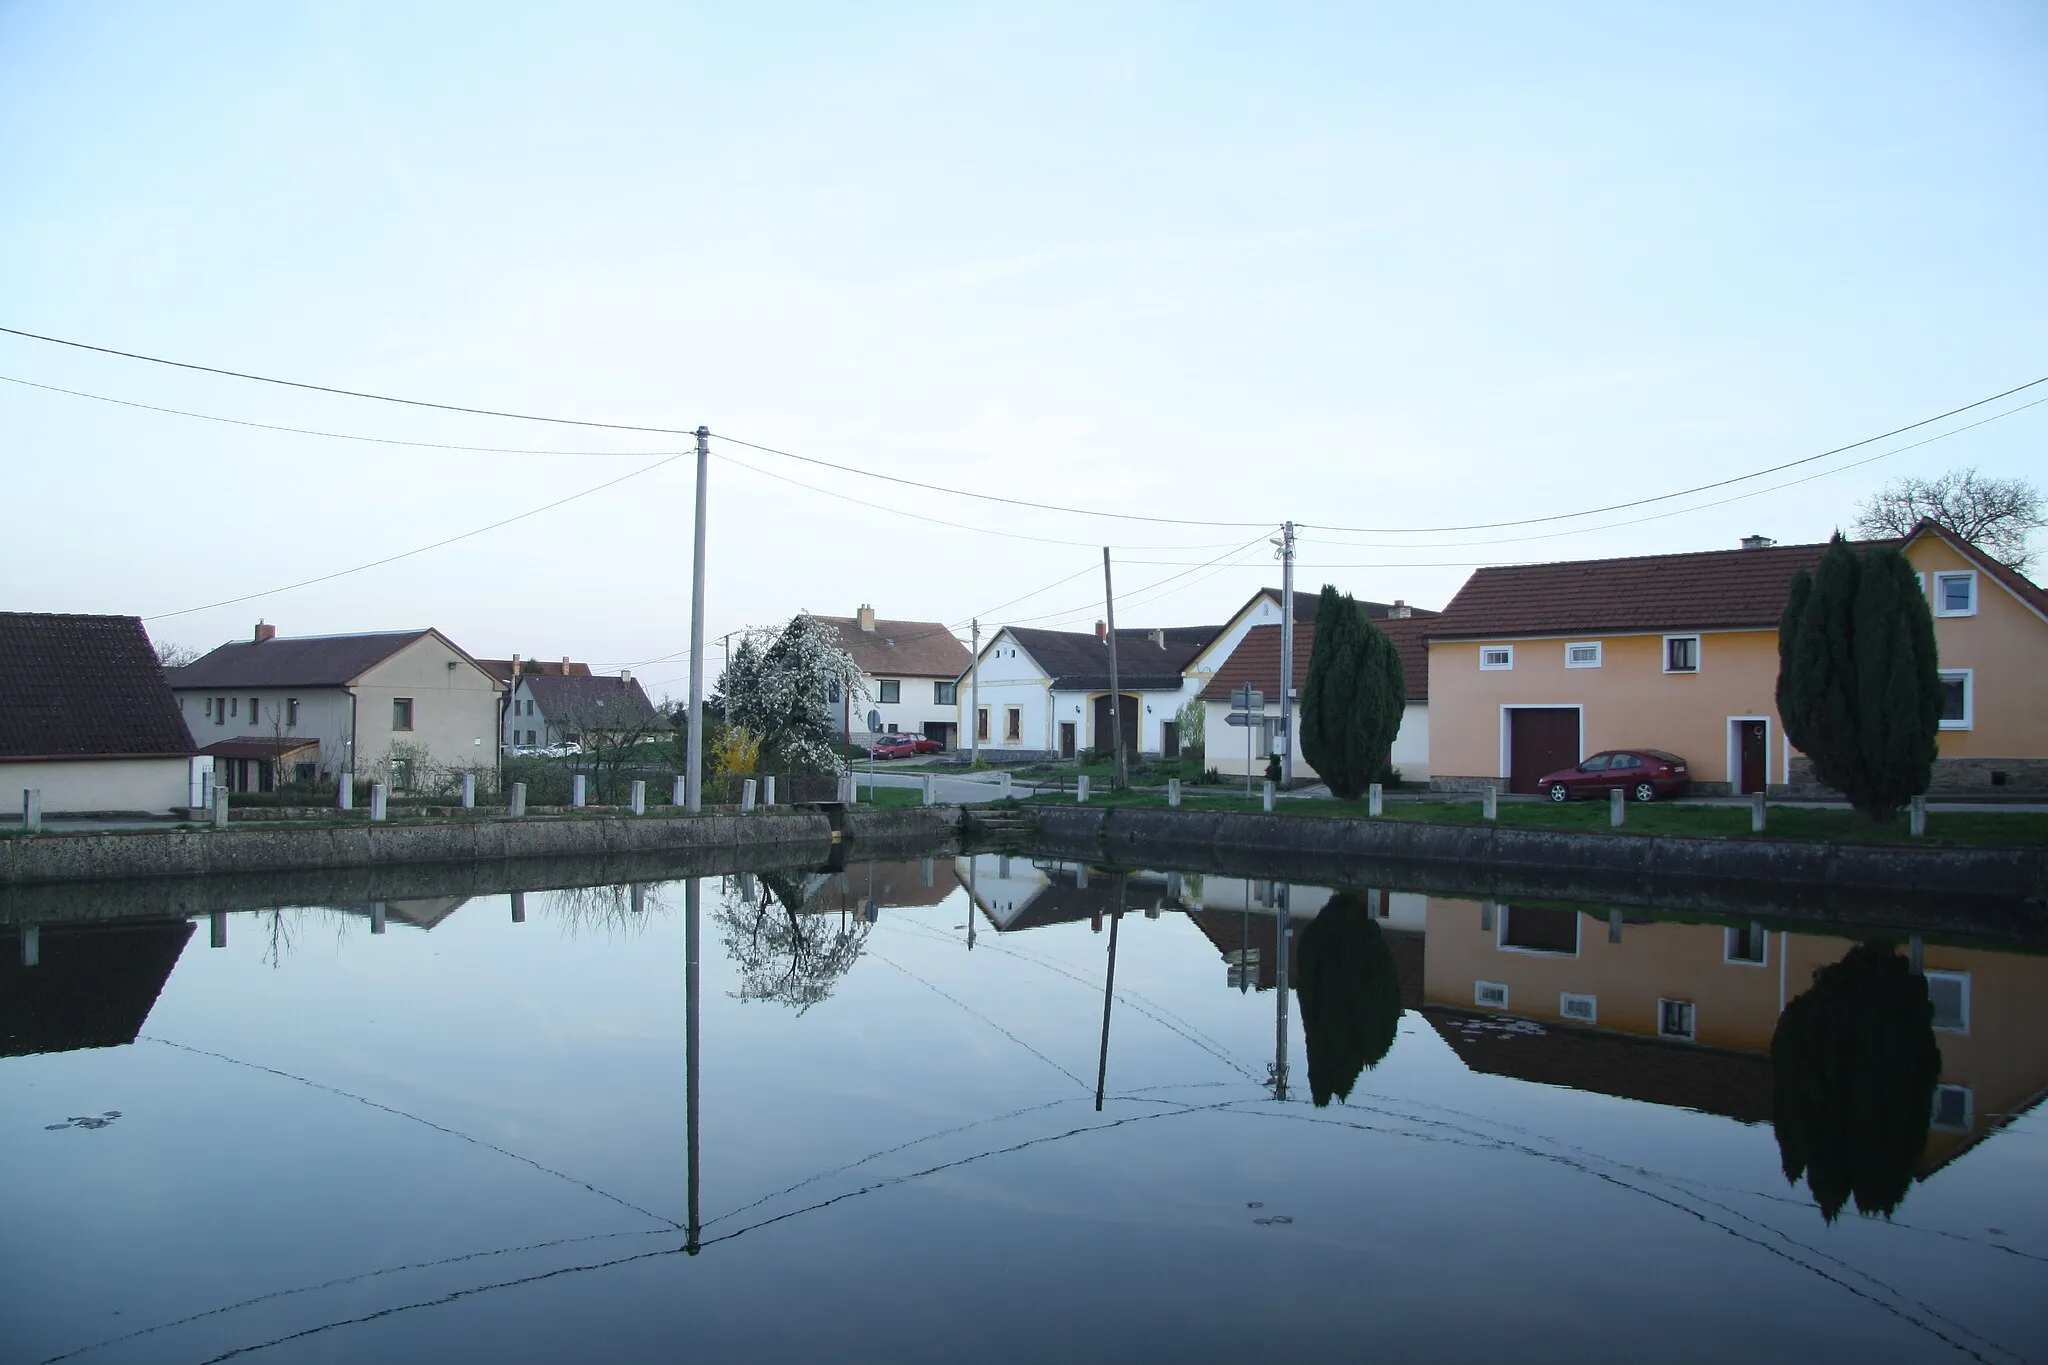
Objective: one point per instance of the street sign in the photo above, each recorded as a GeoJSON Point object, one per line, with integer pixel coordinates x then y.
{"type": "Point", "coordinates": [1242, 718]}
{"type": "Point", "coordinates": [1247, 699]}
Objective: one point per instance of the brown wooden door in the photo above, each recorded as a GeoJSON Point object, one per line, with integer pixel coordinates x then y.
{"type": "Point", "coordinates": [1169, 739]}
{"type": "Point", "coordinates": [1540, 740]}
{"type": "Point", "coordinates": [1066, 739]}
{"type": "Point", "coordinates": [1754, 770]}
{"type": "Point", "coordinates": [1128, 709]}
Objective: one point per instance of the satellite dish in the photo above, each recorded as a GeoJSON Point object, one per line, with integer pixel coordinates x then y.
{"type": "Point", "coordinates": [875, 722]}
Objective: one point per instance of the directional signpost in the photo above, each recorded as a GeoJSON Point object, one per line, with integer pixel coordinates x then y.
{"type": "Point", "coordinates": [1247, 709]}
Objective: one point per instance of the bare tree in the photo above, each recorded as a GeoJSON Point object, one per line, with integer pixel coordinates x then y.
{"type": "Point", "coordinates": [170, 655]}
{"type": "Point", "coordinates": [1996, 515]}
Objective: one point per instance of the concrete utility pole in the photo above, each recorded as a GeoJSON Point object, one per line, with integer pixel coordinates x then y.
{"type": "Point", "coordinates": [1116, 701]}
{"type": "Point", "coordinates": [1286, 544]}
{"type": "Point", "coordinates": [974, 697]}
{"type": "Point", "coordinates": [693, 760]}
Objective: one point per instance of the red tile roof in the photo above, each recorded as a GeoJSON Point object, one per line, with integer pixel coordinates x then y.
{"type": "Point", "coordinates": [84, 687]}
{"type": "Point", "coordinates": [900, 649]}
{"type": "Point", "coordinates": [1256, 660]}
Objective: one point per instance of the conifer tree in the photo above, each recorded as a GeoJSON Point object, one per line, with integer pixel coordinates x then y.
{"type": "Point", "coordinates": [1355, 694]}
{"type": "Point", "coordinates": [1350, 996]}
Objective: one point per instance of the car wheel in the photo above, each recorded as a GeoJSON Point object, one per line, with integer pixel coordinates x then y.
{"type": "Point", "coordinates": [1560, 792]}
{"type": "Point", "coordinates": [1645, 792]}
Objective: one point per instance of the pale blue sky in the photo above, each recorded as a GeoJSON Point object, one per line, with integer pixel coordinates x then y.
{"type": "Point", "coordinates": [1392, 266]}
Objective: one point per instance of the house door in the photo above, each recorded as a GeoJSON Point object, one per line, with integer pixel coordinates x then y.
{"type": "Point", "coordinates": [1752, 747]}
{"type": "Point", "coordinates": [940, 730]}
{"type": "Point", "coordinates": [1066, 739]}
{"type": "Point", "coordinates": [1169, 739]}
{"type": "Point", "coordinates": [1128, 713]}
{"type": "Point", "coordinates": [1540, 740]}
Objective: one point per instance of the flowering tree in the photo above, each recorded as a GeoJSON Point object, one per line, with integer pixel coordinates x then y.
{"type": "Point", "coordinates": [782, 691]}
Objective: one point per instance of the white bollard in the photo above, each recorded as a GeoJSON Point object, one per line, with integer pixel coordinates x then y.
{"type": "Point", "coordinates": [576, 790]}
{"type": "Point", "coordinates": [1081, 789]}
{"type": "Point", "coordinates": [32, 810]}
{"type": "Point", "coordinates": [928, 791]}
{"type": "Point", "coordinates": [1375, 801]}
{"type": "Point", "coordinates": [377, 912]}
{"type": "Point", "coordinates": [1266, 797]}
{"type": "Point", "coordinates": [1489, 804]}
{"type": "Point", "coordinates": [1617, 808]}
{"type": "Point", "coordinates": [768, 792]}
{"type": "Point", "coordinates": [1916, 815]}
{"type": "Point", "coordinates": [515, 804]}
{"type": "Point", "coordinates": [927, 869]}
{"type": "Point", "coordinates": [469, 791]}
{"type": "Point", "coordinates": [519, 907]}
{"type": "Point", "coordinates": [639, 797]}
{"type": "Point", "coordinates": [380, 801]}
{"type": "Point", "coordinates": [1173, 792]}
{"type": "Point", "coordinates": [846, 793]}
{"type": "Point", "coordinates": [1003, 784]}
{"type": "Point", "coordinates": [639, 898]}
{"type": "Point", "coordinates": [1614, 926]}
{"type": "Point", "coordinates": [1756, 813]}
{"type": "Point", "coordinates": [345, 792]}
{"type": "Point", "coordinates": [676, 795]}
{"type": "Point", "coordinates": [32, 944]}
{"type": "Point", "coordinates": [747, 795]}
{"type": "Point", "coordinates": [220, 808]}
{"type": "Point", "coordinates": [217, 929]}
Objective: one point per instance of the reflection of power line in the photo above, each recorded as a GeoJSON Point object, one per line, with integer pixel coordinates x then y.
{"type": "Point", "coordinates": [979, 1015]}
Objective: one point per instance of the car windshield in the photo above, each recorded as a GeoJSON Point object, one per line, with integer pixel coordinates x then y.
{"type": "Point", "coordinates": [1597, 763]}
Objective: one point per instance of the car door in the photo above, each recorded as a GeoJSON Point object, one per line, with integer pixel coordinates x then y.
{"type": "Point", "coordinates": [1591, 775]}
{"type": "Point", "coordinates": [1622, 771]}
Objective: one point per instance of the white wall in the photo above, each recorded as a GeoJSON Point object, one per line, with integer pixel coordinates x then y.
{"type": "Point", "coordinates": [455, 710]}
{"type": "Point", "coordinates": [1008, 678]}
{"type": "Point", "coordinates": [77, 786]}
{"type": "Point", "coordinates": [918, 707]}
{"type": "Point", "coordinates": [1003, 896]}
{"type": "Point", "coordinates": [1225, 748]}
{"type": "Point", "coordinates": [323, 716]}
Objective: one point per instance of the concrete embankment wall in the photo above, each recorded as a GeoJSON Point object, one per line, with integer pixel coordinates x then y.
{"type": "Point", "coordinates": [797, 836]}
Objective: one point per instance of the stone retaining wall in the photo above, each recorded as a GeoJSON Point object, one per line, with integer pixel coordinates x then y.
{"type": "Point", "coordinates": [1952, 777]}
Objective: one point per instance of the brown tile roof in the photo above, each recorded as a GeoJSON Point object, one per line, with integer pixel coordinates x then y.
{"type": "Point", "coordinates": [900, 649]}
{"type": "Point", "coordinates": [84, 687]}
{"type": "Point", "coordinates": [294, 661]}
{"type": "Point", "coordinates": [1711, 590]}
{"type": "Point", "coordinates": [501, 669]}
{"type": "Point", "coordinates": [1305, 600]}
{"type": "Point", "coordinates": [1256, 660]}
{"type": "Point", "coordinates": [1077, 661]}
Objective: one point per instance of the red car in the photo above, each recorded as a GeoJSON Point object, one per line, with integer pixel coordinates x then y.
{"type": "Point", "coordinates": [1645, 774]}
{"type": "Point", "coordinates": [904, 746]}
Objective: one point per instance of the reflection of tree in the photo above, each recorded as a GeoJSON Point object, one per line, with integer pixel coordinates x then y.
{"type": "Point", "coordinates": [782, 953]}
{"type": "Point", "coordinates": [1855, 1066]}
{"type": "Point", "coordinates": [1349, 993]}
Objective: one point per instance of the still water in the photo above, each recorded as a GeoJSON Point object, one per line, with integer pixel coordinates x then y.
{"type": "Point", "coordinates": [924, 1129]}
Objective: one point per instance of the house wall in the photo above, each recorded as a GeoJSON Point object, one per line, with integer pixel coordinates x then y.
{"type": "Point", "coordinates": [455, 708]}
{"type": "Point", "coordinates": [1009, 678]}
{"type": "Point", "coordinates": [918, 709]}
{"type": "Point", "coordinates": [1156, 710]}
{"type": "Point", "coordinates": [323, 717]}
{"type": "Point", "coordinates": [1225, 743]}
{"type": "Point", "coordinates": [98, 784]}
{"type": "Point", "coordinates": [2005, 645]}
{"type": "Point", "coordinates": [1629, 701]}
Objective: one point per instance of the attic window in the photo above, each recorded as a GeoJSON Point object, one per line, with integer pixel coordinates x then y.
{"type": "Point", "coordinates": [1955, 594]}
{"type": "Point", "coordinates": [1493, 658]}
{"type": "Point", "coordinates": [1582, 656]}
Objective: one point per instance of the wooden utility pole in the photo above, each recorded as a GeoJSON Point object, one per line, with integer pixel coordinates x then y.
{"type": "Point", "coordinates": [1116, 701]}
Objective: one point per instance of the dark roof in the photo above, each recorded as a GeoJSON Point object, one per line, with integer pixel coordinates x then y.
{"type": "Point", "coordinates": [1063, 900]}
{"type": "Point", "coordinates": [267, 746]}
{"type": "Point", "coordinates": [591, 701]}
{"type": "Point", "coordinates": [1256, 660]}
{"type": "Point", "coordinates": [1711, 590]}
{"type": "Point", "coordinates": [1078, 661]}
{"type": "Point", "coordinates": [84, 687]}
{"type": "Point", "coordinates": [294, 661]}
{"type": "Point", "coordinates": [92, 987]}
{"type": "Point", "coordinates": [900, 649]}
{"type": "Point", "coordinates": [1305, 601]}
{"type": "Point", "coordinates": [501, 669]}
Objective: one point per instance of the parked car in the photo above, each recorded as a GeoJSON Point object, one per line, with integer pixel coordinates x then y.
{"type": "Point", "coordinates": [1645, 774]}
{"type": "Point", "coordinates": [903, 746]}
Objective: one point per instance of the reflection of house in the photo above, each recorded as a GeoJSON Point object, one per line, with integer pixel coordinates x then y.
{"type": "Point", "coordinates": [910, 672]}
{"type": "Point", "coordinates": [85, 718]}
{"type": "Point", "coordinates": [417, 912]}
{"type": "Point", "coordinates": [1017, 893]}
{"type": "Point", "coordinates": [92, 986]}
{"type": "Point", "coordinates": [1242, 920]}
{"type": "Point", "coordinates": [1634, 1017]}
{"type": "Point", "coordinates": [1045, 693]}
{"type": "Point", "coordinates": [892, 884]}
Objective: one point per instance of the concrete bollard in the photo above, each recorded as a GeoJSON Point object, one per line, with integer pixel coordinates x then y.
{"type": "Point", "coordinates": [1081, 789]}
{"type": "Point", "coordinates": [1375, 801]}
{"type": "Point", "coordinates": [927, 789]}
{"type": "Point", "coordinates": [1173, 792]}
{"type": "Point", "coordinates": [1489, 804]}
{"type": "Point", "coordinates": [377, 913]}
{"type": "Point", "coordinates": [31, 945]}
{"type": "Point", "coordinates": [469, 791]}
{"type": "Point", "coordinates": [1266, 798]}
{"type": "Point", "coordinates": [639, 898]}
{"type": "Point", "coordinates": [677, 796]}
{"type": "Point", "coordinates": [747, 796]}
{"type": "Point", "coordinates": [1756, 813]}
{"type": "Point", "coordinates": [519, 907]}
{"type": "Point", "coordinates": [380, 801]}
{"type": "Point", "coordinates": [1081, 876]}
{"type": "Point", "coordinates": [1614, 926]}
{"type": "Point", "coordinates": [639, 790]}
{"type": "Point", "coordinates": [768, 792]}
{"type": "Point", "coordinates": [928, 870]}
{"type": "Point", "coordinates": [1916, 815]}
{"type": "Point", "coordinates": [1617, 808]}
{"type": "Point", "coordinates": [1486, 917]}
{"type": "Point", "coordinates": [345, 792]}
{"type": "Point", "coordinates": [1916, 954]}
{"type": "Point", "coordinates": [846, 794]}
{"type": "Point", "coordinates": [32, 810]}
{"type": "Point", "coordinates": [577, 787]}
{"type": "Point", "coordinates": [217, 929]}
{"type": "Point", "coordinates": [220, 808]}
{"type": "Point", "coordinates": [515, 804]}
{"type": "Point", "coordinates": [1003, 785]}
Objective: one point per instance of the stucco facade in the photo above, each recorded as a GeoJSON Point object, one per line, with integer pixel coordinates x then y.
{"type": "Point", "coordinates": [82, 786]}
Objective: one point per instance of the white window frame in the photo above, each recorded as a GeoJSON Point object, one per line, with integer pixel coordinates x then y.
{"type": "Point", "coordinates": [1728, 947]}
{"type": "Point", "coordinates": [1479, 990]}
{"type": "Point", "coordinates": [1504, 666]}
{"type": "Point", "coordinates": [1691, 1037]}
{"type": "Point", "coordinates": [1593, 662]}
{"type": "Point", "coordinates": [1939, 599]}
{"type": "Point", "coordinates": [1969, 720]}
{"type": "Point", "coordinates": [1567, 999]}
{"type": "Point", "coordinates": [1969, 1110]}
{"type": "Point", "coordinates": [1699, 655]}
{"type": "Point", "coordinates": [882, 685]}
{"type": "Point", "coordinates": [1964, 977]}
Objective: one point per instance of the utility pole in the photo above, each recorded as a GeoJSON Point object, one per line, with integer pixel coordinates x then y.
{"type": "Point", "coordinates": [693, 759]}
{"type": "Point", "coordinates": [1286, 544]}
{"type": "Point", "coordinates": [974, 702]}
{"type": "Point", "coordinates": [1116, 701]}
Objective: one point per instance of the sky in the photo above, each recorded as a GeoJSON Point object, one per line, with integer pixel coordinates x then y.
{"type": "Point", "coordinates": [1393, 268]}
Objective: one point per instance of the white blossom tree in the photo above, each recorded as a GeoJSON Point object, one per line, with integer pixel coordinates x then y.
{"type": "Point", "coordinates": [781, 687]}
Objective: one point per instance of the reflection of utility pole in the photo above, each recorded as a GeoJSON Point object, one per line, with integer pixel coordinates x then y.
{"type": "Point", "coordinates": [1286, 556]}
{"type": "Point", "coordinates": [1121, 776]}
{"type": "Point", "coordinates": [1116, 918]}
{"type": "Point", "coordinates": [693, 910]}
{"type": "Point", "coordinates": [974, 901]}
{"type": "Point", "coordinates": [1280, 916]}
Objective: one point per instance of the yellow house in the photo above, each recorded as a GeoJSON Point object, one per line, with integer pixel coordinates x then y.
{"type": "Point", "coordinates": [1533, 667]}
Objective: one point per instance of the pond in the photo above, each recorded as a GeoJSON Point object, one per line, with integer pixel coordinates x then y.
{"type": "Point", "coordinates": [1012, 1109]}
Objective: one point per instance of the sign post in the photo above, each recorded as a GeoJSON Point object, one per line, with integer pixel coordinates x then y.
{"type": "Point", "coordinates": [1247, 708]}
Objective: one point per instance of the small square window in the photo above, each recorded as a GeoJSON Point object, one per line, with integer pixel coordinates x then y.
{"type": "Point", "coordinates": [1955, 594]}
{"type": "Point", "coordinates": [1949, 993]}
{"type": "Point", "coordinates": [1958, 706]}
{"type": "Point", "coordinates": [1497, 657]}
{"type": "Point", "coordinates": [1491, 994]}
{"type": "Point", "coordinates": [401, 715]}
{"type": "Point", "coordinates": [1675, 1019]}
{"type": "Point", "coordinates": [1580, 1009]}
{"type": "Point", "coordinates": [1954, 1109]}
{"type": "Point", "coordinates": [889, 690]}
{"type": "Point", "coordinates": [1748, 945]}
{"type": "Point", "coordinates": [1681, 654]}
{"type": "Point", "coordinates": [1582, 656]}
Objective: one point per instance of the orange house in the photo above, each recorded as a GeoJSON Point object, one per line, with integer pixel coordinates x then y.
{"type": "Point", "coordinates": [1533, 667]}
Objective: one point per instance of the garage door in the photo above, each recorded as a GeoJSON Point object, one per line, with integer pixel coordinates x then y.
{"type": "Point", "coordinates": [1540, 740]}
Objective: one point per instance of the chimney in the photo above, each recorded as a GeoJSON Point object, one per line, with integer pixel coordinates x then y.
{"type": "Point", "coordinates": [867, 618]}
{"type": "Point", "coordinates": [1402, 611]}
{"type": "Point", "coordinates": [1101, 630]}
{"type": "Point", "coordinates": [265, 632]}
{"type": "Point", "coordinates": [565, 665]}
{"type": "Point", "coordinates": [1159, 638]}
{"type": "Point", "coordinates": [625, 675]}
{"type": "Point", "coordinates": [1757, 542]}
{"type": "Point", "coordinates": [515, 665]}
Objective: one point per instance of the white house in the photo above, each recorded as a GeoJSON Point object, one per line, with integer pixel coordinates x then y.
{"type": "Point", "coordinates": [586, 708]}
{"type": "Point", "coordinates": [377, 705]}
{"type": "Point", "coordinates": [1045, 693]}
{"type": "Point", "coordinates": [87, 721]}
{"type": "Point", "coordinates": [910, 671]}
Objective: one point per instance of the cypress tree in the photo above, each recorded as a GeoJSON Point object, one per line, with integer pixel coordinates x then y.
{"type": "Point", "coordinates": [1350, 996]}
{"type": "Point", "coordinates": [1355, 694]}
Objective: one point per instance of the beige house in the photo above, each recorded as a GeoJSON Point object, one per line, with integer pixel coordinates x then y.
{"type": "Point", "coordinates": [391, 707]}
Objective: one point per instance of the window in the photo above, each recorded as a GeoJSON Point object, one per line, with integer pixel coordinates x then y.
{"type": "Point", "coordinates": [291, 712]}
{"type": "Point", "coordinates": [401, 715]}
{"type": "Point", "coordinates": [1681, 654]}
{"type": "Point", "coordinates": [206, 709]}
{"type": "Point", "coordinates": [888, 690]}
{"type": "Point", "coordinates": [1013, 724]}
{"type": "Point", "coordinates": [220, 710]}
{"type": "Point", "coordinates": [305, 774]}
{"type": "Point", "coordinates": [981, 725]}
{"type": "Point", "coordinates": [1954, 1108]}
{"type": "Point", "coordinates": [1596, 764]}
{"type": "Point", "coordinates": [1540, 929]}
{"type": "Point", "coordinates": [1580, 1009]}
{"type": "Point", "coordinates": [1958, 707]}
{"type": "Point", "coordinates": [1620, 761]}
{"type": "Point", "coordinates": [832, 694]}
{"type": "Point", "coordinates": [253, 710]}
{"type": "Point", "coordinates": [1491, 994]}
{"type": "Point", "coordinates": [1582, 656]}
{"type": "Point", "coordinates": [401, 773]}
{"type": "Point", "coordinates": [1949, 993]}
{"type": "Point", "coordinates": [234, 706]}
{"type": "Point", "coordinates": [1495, 657]}
{"type": "Point", "coordinates": [1746, 945]}
{"type": "Point", "coordinates": [945, 693]}
{"type": "Point", "coordinates": [1675, 1019]}
{"type": "Point", "coordinates": [1955, 594]}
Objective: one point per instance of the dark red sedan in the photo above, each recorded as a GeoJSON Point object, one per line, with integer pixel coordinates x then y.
{"type": "Point", "coordinates": [904, 746]}
{"type": "Point", "coordinates": [1645, 774]}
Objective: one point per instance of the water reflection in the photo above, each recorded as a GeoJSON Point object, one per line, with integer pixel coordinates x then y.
{"type": "Point", "coordinates": [1350, 996]}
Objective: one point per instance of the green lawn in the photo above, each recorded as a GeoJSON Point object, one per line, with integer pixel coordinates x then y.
{"type": "Point", "coordinates": [1710, 822]}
